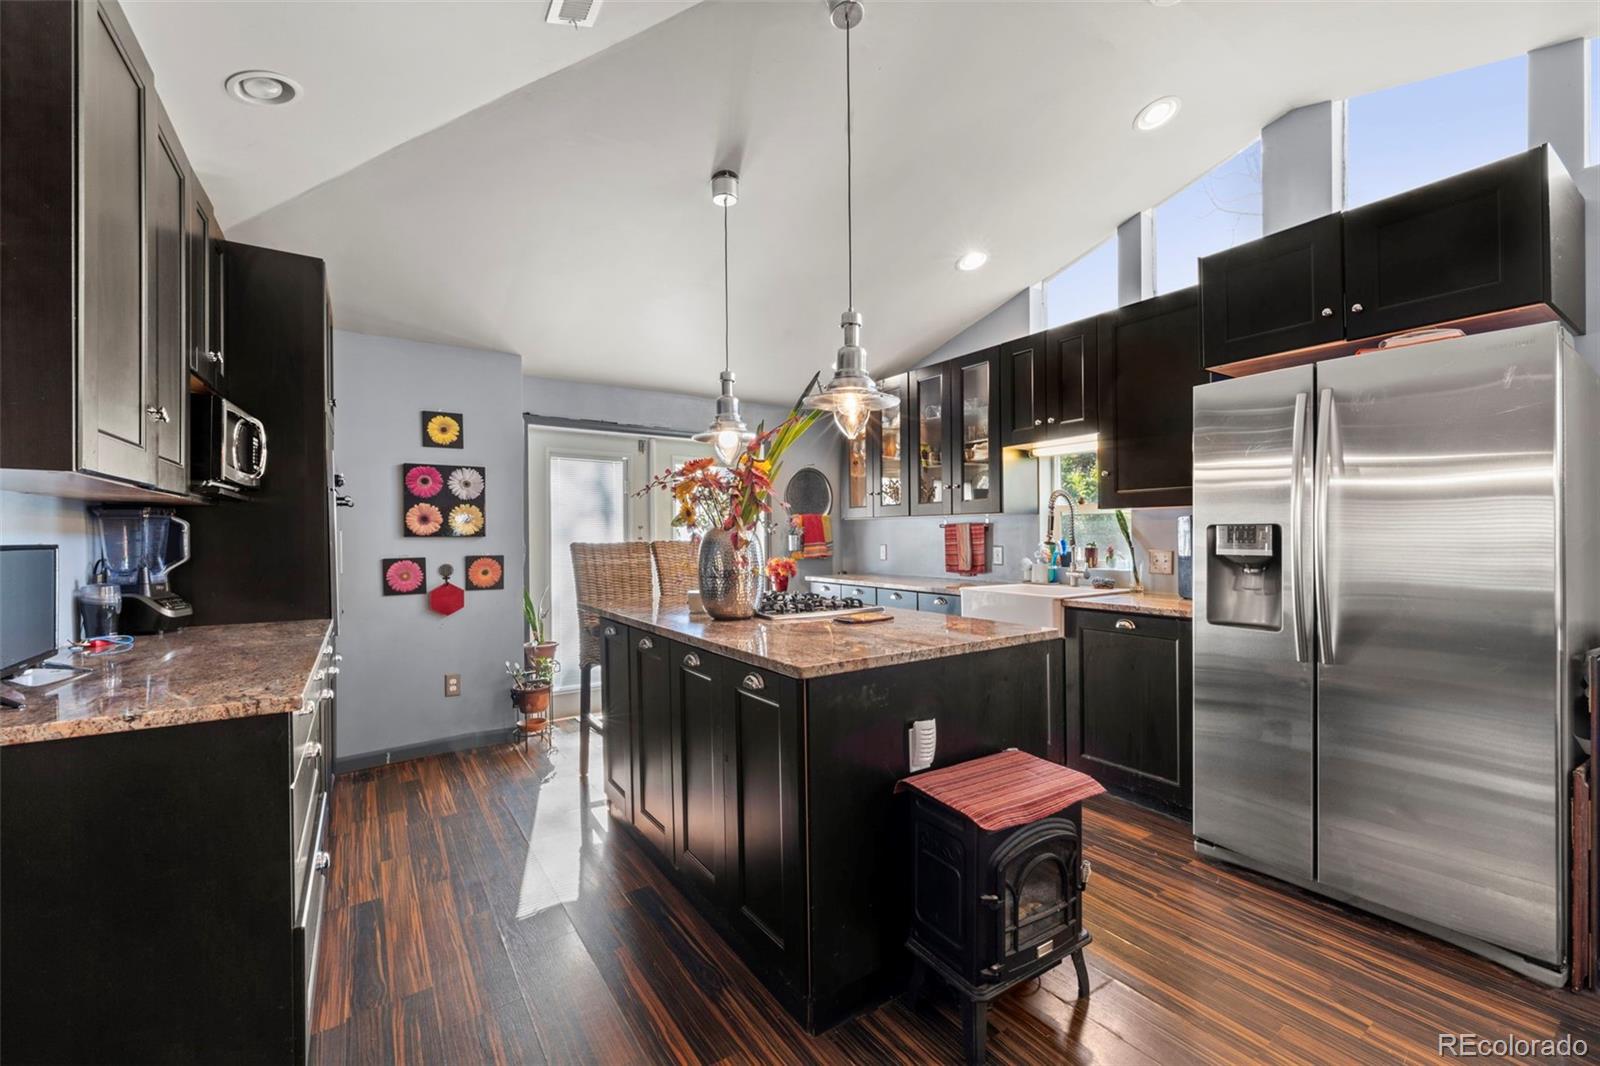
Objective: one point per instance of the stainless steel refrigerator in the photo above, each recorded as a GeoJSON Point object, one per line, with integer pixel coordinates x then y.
{"type": "Point", "coordinates": [1397, 572]}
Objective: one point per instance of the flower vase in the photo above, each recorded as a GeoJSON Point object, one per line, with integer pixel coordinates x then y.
{"type": "Point", "coordinates": [731, 577]}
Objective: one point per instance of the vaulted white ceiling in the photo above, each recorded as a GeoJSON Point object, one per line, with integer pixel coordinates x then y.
{"type": "Point", "coordinates": [569, 219]}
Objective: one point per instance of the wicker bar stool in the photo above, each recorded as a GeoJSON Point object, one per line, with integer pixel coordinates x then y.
{"type": "Point", "coordinates": [609, 575]}
{"type": "Point", "coordinates": [677, 570]}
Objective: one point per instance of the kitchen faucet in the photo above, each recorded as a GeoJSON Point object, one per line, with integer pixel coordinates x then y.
{"type": "Point", "coordinates": [1072, 525]}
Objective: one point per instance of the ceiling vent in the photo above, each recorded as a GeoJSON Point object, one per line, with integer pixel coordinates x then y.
{"type": "Point", "coordinates": [573, 12]}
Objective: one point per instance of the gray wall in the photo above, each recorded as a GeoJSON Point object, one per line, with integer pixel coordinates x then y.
{"type": "Point", "coordinates": [1014, 318]}
{"type": "Point", "coordinates": [396, 651]}
{"type": "Point", "coordinates": [29, 519]}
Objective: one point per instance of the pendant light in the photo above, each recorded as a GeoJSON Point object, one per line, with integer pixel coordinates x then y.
{"type": "Point", "coordinates": [727, 434]}
{"type": "Point", "coordinates": [850, 395]}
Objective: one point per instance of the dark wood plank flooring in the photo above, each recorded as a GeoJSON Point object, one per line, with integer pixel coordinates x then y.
{"type": "Point", "coordinates": [482, 908]}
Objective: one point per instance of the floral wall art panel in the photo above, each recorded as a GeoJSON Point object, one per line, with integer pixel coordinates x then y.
{"type": "Point", "coordinates": [405, 576]}
{"type": "Point", "coordinates": [485, 572]}
{"type": "Point", "coordinates": [442, 500]}
{"type": "Point", "coordinates": [442, 429]}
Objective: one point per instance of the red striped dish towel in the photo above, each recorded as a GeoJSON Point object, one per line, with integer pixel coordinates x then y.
{"type": "Point", "coordinates": [1000, 791]}
{"type": "Point", "coordinates": [966, 548]}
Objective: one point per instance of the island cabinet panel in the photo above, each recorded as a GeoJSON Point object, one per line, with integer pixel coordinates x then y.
{"type": "Point", "coordinates": [700, 728]}
{"type": "Point", "coordinates": [765, 838]}
{"type": "Point", "coordinates": [1129, 705]}
{"type": "Point", "coordinates": [616, 696]}
{"type": "Point", "coordinates": [651, 675]}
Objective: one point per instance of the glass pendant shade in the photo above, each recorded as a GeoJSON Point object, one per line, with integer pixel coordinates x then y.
{"type": "Point", "coordinates": [851, 396]}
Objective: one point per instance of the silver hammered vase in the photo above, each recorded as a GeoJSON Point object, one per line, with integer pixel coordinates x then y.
{"type": "Point", "coordinates": [731, 578]}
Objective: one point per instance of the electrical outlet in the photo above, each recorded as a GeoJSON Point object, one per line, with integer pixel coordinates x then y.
{"type": "Point", "coordinates": [1160, 562]}
{"type": "Point", "coordinates": [999, 555]}
{"type": "Point", "coordinates": [452, 684]}
{"type": "Point", "coordinates": [883, 553]}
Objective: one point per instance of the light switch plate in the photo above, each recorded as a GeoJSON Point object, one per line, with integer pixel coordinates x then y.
{"type": "Point", "coordinates": [452, 684]}
{"type": "Point", "coordinates": [883, 553]}
{"type": "Point", "coordinates": [922, 740]}
{"type": "Point", "coordinates": [999, 555]}
{"type": "Point", "coordinates": [1161, 562]}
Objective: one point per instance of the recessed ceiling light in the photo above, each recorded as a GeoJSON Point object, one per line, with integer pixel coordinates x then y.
{"type": "Point", "coordinates": [261, 87]}
{"type": "Point", "coordinates": [1156, 113]}
{"type": "Point", "coordinates": [972, 260]}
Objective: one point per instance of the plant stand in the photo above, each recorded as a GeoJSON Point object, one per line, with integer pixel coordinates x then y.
{"type": "Point", "coordinates": [534, 718]}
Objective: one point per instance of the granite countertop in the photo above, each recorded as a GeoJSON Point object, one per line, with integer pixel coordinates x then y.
{"type": "Point", "coordinates": [947, 583]}
{"type": "Point", "coordinates": [1163, 604]}
{"type": "Point", "coordinates": [824, 647]}
{"type": "Point", "coordinates": [201, 674]}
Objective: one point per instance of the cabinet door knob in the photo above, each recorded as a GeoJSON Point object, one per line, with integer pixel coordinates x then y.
{"type": "Point", "coordinates": [1051, 421]}
{"type": "Point", "coordinates": [1355, 308]}
{"type": "Point", "coordinates": [321, 861]}
{"type": "Point", "coordinates": [1125, 623]}
{"type": "Point", "coordinates": [691, 659]}
{"type": "Point", "coordinates": [213, 357]}
{"type": "Point", "coordinates": [1327, 312]}
{"type": "Point", "coordinates": [754, 683]}
{"type": "Point", "coordinates": [941, 601]}
{"type": "Point", "coordinates": [645, 644]}
{"type": "Point", "coordinates": [1037, 422]}
{"type": "Point", "coordinates": [1105, 473]}
{"type": "Point", "coordinates": [611, 631]}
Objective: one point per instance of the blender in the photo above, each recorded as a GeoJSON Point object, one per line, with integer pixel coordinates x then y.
{"type": "Point", "coordinates": [139, 549]}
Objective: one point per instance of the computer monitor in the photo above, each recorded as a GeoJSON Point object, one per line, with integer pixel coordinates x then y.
{"type": "Point", "coordinates": [27, 606]}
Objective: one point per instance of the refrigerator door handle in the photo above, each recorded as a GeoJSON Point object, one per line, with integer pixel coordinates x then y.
{"type": "Point", "coordinates": [1297, 464]}
{"type": "Point", "coordinates": [1324, 465]}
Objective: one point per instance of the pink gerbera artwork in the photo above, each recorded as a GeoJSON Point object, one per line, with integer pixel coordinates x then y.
{"type": "Point", "coordinates": [403, 577]}
{"type": "Point", "coordinates": [424, 481]}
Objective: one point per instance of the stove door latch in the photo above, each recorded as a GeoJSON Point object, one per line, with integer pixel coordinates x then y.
{"type": "Point", "coordinates": [1084, 870]}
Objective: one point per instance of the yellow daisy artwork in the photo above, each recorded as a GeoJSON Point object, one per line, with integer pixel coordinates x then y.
{"type": "Point", "coordinates": [442, 429]}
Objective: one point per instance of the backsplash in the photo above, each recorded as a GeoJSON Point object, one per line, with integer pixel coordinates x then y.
{"type": "Point", "coordinates": [31, 519]}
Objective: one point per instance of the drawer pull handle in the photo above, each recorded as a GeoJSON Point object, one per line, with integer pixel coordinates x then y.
{"type": "Point", "coordinates": [611, 631]}
{"type": "Point", "coordinates": [691, 659]}
{"type": "Point", "coordinates": [1052, 421]}
{"type": "Point", "coordinates": [1124, 623]}
{"type": "Point", "coordinates": [321, 861]}
{"type": "Point", "coordinates": [1356, 308]}
{"type": "Point", "coordinates": [754, 683]}
{"type": "Point", "coordinates": [1037, 422]}
{"type": "Point", "coordinates": [1327, 312]}
{"type": "Point", "coordinates": [645, 644]}
{"type": "Point", "coordinates": [940, 600]}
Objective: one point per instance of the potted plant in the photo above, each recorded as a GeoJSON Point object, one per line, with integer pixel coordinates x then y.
{"type": "Point", "coordinates": [530, 690]}
{"type": "Point", "coordinates": [537, 616]}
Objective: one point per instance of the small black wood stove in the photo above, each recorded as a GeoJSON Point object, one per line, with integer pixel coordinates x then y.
{"type": "Point", "coordinates": [997, 878]}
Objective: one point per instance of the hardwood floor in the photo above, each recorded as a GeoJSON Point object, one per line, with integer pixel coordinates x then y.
{"type": "Point", "coordinates": [482, 908]}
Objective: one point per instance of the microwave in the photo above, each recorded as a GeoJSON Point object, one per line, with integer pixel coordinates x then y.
{"type": "Point", "coordinates": [227, 448]}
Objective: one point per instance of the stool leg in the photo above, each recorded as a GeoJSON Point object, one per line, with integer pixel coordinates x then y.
{"type": "Point", "coordinates": [975, 1029]}
{"type": "Point", "coordinates": [584, 696]}
{"type": "Point", "coordinates": [1083, 973]}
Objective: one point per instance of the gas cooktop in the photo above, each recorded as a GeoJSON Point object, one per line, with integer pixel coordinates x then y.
{"type": "Point", "coordinates": [797, 606]}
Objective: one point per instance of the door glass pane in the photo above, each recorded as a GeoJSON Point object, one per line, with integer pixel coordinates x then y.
{"type": "Point", "coordinates": [891, 471]}
{"type": "Point", "coordinates": [588, 504]}
{"type": "Point", "coordinates": [856, 484]}
{"type": "Point", "coordinates": [930, 440]}
{"type": "Point", "coordinates": [975, 432]}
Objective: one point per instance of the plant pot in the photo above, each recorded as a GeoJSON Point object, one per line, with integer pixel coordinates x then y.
{"type": "Point", "coordinates": [544, 650]}
{"type": "Point", "coordinates": [730, 578]}
{"type": "Point", "coordinates": [780, 583]}
{"type": "Point", "coordinates": [532, 701]}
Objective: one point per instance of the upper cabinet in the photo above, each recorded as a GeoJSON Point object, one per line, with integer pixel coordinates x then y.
{"type": "Point", "coordinates": [974, 446]}
{"type": "Point", "coordinates": [207, 360]}
{"type": "Point", "coordinates": [1048, 385]}
{"type": "Point", "coordinates": [1277, 294]}
{"type": "Point", "coordinates": [1503, 236]}
{"type": "Point", "coordinates": [99, 326]}
{"type": "Point", "coordinates": [875, 467]}
{"type": "Point", "coordinates": [1149, 364]}
{"type": "Point", "coordinates": [928, 426]}
{"type": "Point", "coordinates": [1502, 240]}
{"type": "Point", "coordinates": [1025, 383]}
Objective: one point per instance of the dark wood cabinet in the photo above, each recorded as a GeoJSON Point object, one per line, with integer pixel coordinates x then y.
{"type": "Point", "coordinates": [974, 420]}
{"type": "Point", "coordinates": [1048, 384]}
{"type": "Point", "coordinates": [928, 440]}
{"type": "Point", "coordinates": [207, 302]}
{"type": "Point", "coordinates": [1277, 294]}
{"type": "Point", "coordinates": [94, 343]}
{"type": "Point", "coordinates": [650, 674]}
{"type": "Point", "coordinates": [1149, 364]}
{"type": "Point", "coordinates": [890, 466]}
{"type": "Point", "coordinates": [1506, 235]}
{"type": "Point", "coordinates": [1129, 703]}
{"type": "Point", "coordinates": [616, 694]}
{"type": "Point", "coordinates": [701, 728]}
{"type": "Point", "coordinates": [1025, 384]}
{"type": "Point", "coordinates": [768, 901]}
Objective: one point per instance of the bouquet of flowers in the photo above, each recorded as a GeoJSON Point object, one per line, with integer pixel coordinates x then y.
{"type": "Point", "coordinates": [780, 569]}
{"type": "Point", "coordinates": [734, 498]}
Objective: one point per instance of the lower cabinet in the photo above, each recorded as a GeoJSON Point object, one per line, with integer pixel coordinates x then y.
{"type": "Point", "coordinates": [1129, 703]}
{"type": "Point", "coordinates": [711, 748]}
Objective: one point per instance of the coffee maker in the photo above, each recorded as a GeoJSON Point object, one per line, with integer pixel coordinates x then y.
{"type": "Point", "coordinates": [139, 549]}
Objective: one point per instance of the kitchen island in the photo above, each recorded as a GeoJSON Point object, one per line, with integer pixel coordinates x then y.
{"type": "Point", "coordinates": [757, 760]}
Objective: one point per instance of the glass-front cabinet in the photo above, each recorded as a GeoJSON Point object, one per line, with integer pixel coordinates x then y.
{"type": "Point", "coordinates": [857, 477]}
{"type": "Point", "coordinates": [975, 445]}
{"type": "Point", "coordinates": [888, 438]}
{"type": "Point", "coordinates": [929, 442]}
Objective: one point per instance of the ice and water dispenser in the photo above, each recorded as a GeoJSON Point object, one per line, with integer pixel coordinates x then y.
{"type": "Point", "coordinates": [1244, 576]}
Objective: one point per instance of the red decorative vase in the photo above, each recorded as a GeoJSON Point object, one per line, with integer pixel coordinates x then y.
{"type": "Point", "coordinates": [780, 582]}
